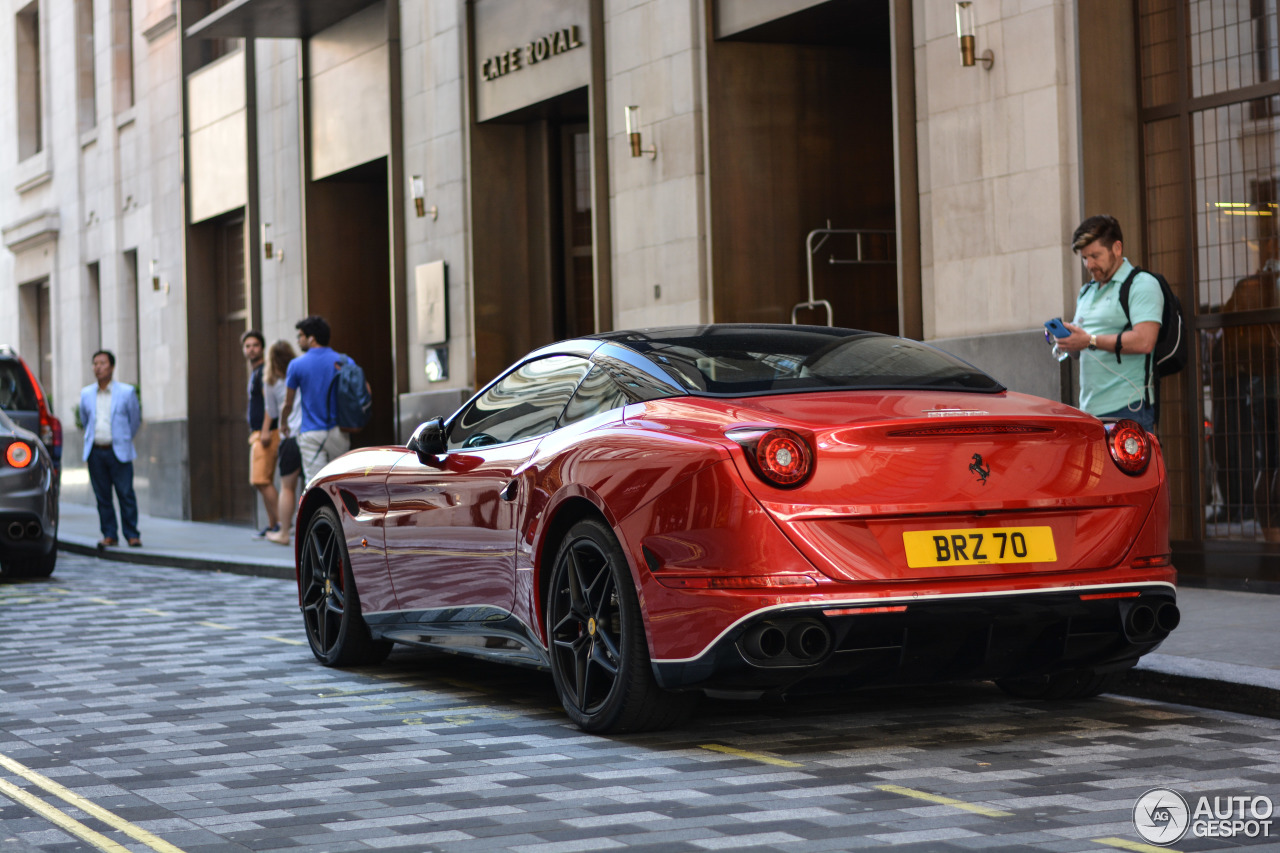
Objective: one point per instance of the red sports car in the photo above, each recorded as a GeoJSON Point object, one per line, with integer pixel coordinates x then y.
{"type": "Point", "coordinates": [747, 510]}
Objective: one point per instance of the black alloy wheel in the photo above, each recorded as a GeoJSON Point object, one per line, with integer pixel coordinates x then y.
{"type": "Point", "coordinates": [599, 654]}
{"type": "Point", "coordinates": [330, 605]}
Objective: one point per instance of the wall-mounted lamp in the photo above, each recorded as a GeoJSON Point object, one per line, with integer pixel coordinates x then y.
{"type": "Point", "coordinates": [966, 32]}
{"type": "Point", "coordinates": [153, 267]}
{"type": "Point", "coordinates": [268, 251]}
{"type": "Point", "coordinates": [417, 189]}
{"type": "Point", "coordinates": [633, 133]}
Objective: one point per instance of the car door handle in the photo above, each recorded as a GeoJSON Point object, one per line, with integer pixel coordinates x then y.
{"type": "Point", "coordinates": [510, 490]}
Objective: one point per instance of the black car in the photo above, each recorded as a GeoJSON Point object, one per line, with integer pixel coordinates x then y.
{"type": "Point", "coordinates": [28, 504]}
{"type": "Point", "coordinates": [23, 400]}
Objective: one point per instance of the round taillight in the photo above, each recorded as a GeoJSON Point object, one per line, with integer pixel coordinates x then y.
{"type": "Point", "coordinates": [779, 456]}
{"type": "Point", "coordinates": [1130, 446]}
{"type": "Point", "coordinates": [19, 454]}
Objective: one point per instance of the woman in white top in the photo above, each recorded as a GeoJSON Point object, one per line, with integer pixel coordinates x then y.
{"type": "Point", "coordinates": [273, 394]}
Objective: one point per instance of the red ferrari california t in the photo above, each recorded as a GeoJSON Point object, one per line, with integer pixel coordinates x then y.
{"type": "Point", "coordinates": [747, 510]}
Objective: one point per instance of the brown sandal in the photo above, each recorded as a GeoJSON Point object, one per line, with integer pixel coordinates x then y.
{"type": "Point", "coordinates": [107, 542]}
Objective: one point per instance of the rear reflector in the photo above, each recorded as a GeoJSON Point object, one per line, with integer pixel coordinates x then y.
{"type": "Point", "coordinates": [858, 611]}
{"type": "Point", "coordinates": [1094, 596]}
{"type": "Point", "coordinates": [761, 582]}
{"type": "Point", "coordinates": [976, 429]}
{"type": "Point", "coordinates": [1152, 562]}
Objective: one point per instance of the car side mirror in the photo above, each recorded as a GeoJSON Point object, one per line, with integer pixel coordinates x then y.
{"type": "Point", "coordinates": [428, 440]}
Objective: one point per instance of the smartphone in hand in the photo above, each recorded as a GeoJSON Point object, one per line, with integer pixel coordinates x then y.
{"type": "Point", "coordinates": [1056, 326]}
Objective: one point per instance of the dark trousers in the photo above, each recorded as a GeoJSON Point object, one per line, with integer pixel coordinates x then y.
{"type": "Point", "coordinates": [106, 472]}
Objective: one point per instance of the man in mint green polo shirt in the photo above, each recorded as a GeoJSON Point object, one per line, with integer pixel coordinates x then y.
{"type": "Point", "coordinates": [1112, 387]}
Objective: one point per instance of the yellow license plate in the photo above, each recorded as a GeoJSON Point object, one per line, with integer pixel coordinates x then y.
{"type": "Point", "coordinates": [970, 547]}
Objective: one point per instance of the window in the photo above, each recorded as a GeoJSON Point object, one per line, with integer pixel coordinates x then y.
{"type": "Point", "coordinates": [27, 53]}
{"type": "Point", "coordinates": [86, 87]}
{"type": "Point", "coordinates": [597, 393]}
{"type": "Point", "coordinates": [122, 53]}
{"type": "Point", "coordinates": [526, 403]}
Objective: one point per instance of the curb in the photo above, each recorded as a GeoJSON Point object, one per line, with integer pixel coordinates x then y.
{"type": "Point", "coordinates": [1252, 699]}
{"type": "Point", "coordinates": [153, 557]}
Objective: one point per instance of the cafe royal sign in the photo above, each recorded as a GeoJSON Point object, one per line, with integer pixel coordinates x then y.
{"type": "Point", "coordinates": [553, 44]}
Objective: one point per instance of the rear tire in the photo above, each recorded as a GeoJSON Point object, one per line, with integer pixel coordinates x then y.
{"type": "Point", "coordinates": [1072, 684]}
{"type": "Point", "coordinates": [599, 652]}
{"type": "Point", "coordinates": [336, 631]}
{"type": "Point", "coordinates": [32, 567]}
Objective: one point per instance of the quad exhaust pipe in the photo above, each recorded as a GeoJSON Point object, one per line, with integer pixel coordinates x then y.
{"type": "Point", "coordinates": [1143, 619]}
{"type": "Point", "coordinates": [18, 530]}
{"type": "Point", "coordinates": [798, 642]}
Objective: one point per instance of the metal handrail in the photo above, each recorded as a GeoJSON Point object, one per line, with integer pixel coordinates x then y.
{"type": "Point", "coordinates": [812, 250]}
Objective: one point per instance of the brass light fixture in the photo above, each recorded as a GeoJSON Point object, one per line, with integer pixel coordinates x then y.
{"type": "Point", "coordinates": [633, 134]}
{"type": "Point", "coordinates": [268, 251]}
{"type": "Point", "coordinates": [417, 189]}
{"type": "Point", "coordinates": [966, 33]}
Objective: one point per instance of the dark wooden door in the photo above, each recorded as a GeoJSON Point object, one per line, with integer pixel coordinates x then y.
{"type": "Point", "coordinates": [235, 497]}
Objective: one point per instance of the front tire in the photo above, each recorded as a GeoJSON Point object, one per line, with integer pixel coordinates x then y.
{"type": "Point", "coordinates": [336, 631]}
{"type": "Point", "coordinates": [599, 653]}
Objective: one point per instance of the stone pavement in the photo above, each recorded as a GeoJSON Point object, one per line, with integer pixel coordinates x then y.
{"type": "Point", "coordinates": [1224, 655]}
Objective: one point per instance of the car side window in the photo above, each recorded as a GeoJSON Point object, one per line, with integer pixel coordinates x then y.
{"type": "Point", "coordinates": [526, 403]}
{"type": "Point", "coordinates": [16, 392]}
{"type": "Point", "coordinates": [597, 393]}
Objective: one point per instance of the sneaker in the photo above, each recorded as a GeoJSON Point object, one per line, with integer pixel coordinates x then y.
{"type": "Point", "coordinates": [262, 534]}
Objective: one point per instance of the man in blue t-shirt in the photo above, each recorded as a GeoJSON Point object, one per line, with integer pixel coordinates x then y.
{"type": "Point", "coordinates": [1113, 359]}
{"type": "Point", "coordinates": [308, 380]}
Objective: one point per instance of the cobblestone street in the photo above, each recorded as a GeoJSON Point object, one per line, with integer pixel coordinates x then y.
{"type": "Point", "coordinates": [169, 709]}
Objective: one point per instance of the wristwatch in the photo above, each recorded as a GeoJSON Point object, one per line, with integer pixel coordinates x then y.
{"type": "Point", "coordinates": [1093, 342]}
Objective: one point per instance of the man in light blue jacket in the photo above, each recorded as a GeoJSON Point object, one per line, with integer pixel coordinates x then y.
{"type": "Point", "coordinates": [111, 416]}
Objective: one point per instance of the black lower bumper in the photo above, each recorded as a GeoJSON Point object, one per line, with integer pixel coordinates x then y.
{"type": "Point", "coordinates": [23, 535]}
{"type": "Point", "coordinates": [825, 648]}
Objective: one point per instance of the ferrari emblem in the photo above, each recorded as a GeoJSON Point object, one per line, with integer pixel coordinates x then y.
{"type": "Point", "coordinates": [591, 627]}
{"type": "Point", "coordinates": [976, 467]}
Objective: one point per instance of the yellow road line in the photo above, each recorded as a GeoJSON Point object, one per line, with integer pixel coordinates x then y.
{"type": "Point", "coordinates": [282, 640]}
{"type": "Point", "coordinates": [215, 625]}
{"type": "Point", "coordinates": [104, 601]}
{"type": "Point", "coordinates": [946, 801]}
{"type": "Point", "coordinates": [59, 819]}
{"type": "Point", "coordinates": [753, 756]}
{"type": "Point", "coordinates": [1135, 846]}
{"type": "Point", "coordinates": [155, 612]}
{"type": "Point", "coordinates": [88, 807]}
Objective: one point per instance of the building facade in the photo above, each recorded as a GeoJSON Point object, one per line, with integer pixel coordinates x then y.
{"type": "Point", "coordinates": [454, 182]}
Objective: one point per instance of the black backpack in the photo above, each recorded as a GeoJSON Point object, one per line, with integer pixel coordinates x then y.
{"type": "Point", "coordinates": [349, 400]}
{"type": "Point", "coordinates": [1172, 347]}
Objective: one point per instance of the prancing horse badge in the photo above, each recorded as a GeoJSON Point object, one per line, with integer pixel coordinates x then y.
{"type": "Point", "coordinates": [976, 467]}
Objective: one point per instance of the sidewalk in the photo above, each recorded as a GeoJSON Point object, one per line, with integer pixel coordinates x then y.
{"type": "Point", "coordinates": [1224, 655]}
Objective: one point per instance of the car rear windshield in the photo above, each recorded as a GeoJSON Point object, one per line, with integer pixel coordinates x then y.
{"type": "Point", "coordinates": [735, 360]}
{"type": "Point", "coordinates": [16, 392]}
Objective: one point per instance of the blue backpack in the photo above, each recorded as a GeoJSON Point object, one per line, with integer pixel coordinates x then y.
{"type": "Point", "coordinates": [349, 397]}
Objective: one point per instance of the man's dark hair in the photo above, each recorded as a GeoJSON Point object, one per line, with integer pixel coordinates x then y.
{"type": "Point", "coordinates": [111, 357]}
{"type": "Point", "coordinates": [254, 333]}
{"type": "Point", "coordinates": [314, 327]}
{"type": "Point", "coordinates": [1103, 228]}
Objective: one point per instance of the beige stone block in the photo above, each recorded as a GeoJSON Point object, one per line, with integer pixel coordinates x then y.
{"type": "Point", "coordinates": [631, 39]}
{"type": "Point", "coordinates": [676, 214]}
{"type": "Point", "coordinates": [680, 273]}
{"type": "Point", "coordinates": [683, 83]}
{"type": "Point", "coordinates": [677, 141]}
{"type": "Point", "coordinates": [623, 213]}
{"type": "Point", "coordinates": [1028, 210]}
{"type": "Point", "coordinates": [675, 19]}
{"type": "Point", "coordinates": [955, 147]}
{"type": "Point", "coordinates": [1042, 136]}
{"type": "Point", "coordinates": [1030, 50]}
{"type": "Point", "coordinates": [962, 222]}
{"type": "Point", "coordinates": [937, 19]}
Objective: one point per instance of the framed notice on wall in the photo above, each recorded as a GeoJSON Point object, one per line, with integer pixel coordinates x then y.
{"type": "Point", "coordinates": [433, 316]}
